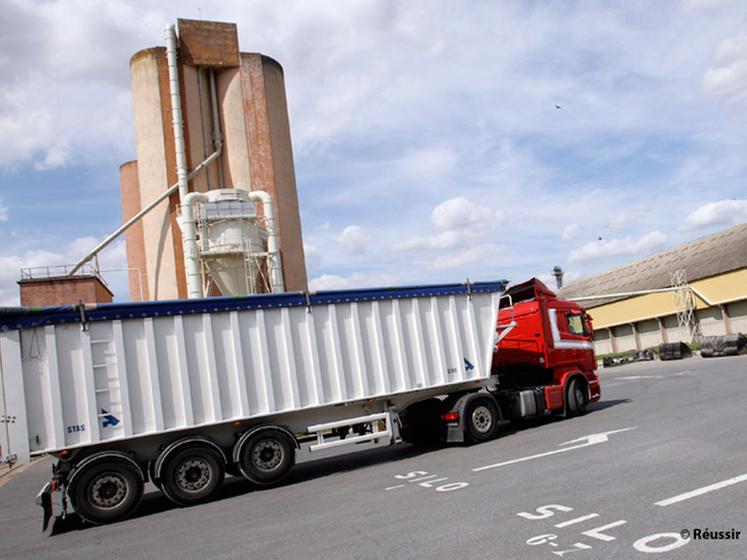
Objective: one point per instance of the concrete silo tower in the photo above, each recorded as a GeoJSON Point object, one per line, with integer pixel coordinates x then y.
{"type": "Point", "coordinates": [232, 104]}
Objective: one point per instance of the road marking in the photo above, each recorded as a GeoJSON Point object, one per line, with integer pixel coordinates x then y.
{"type": "Point", "coordinates": [577, 520]}
{"type": "Point", "coordinates": [686, 372]}
{"type": "Point", "coordinates": [430, 483]}
{"type": "Point", "coordinates": [608, 385]}
{"type": "Point", "coordinates": [701, 491]}
{"type": "Point", "coordinates": [424, 478]}
{"type": "Point", "coordinates": [643, 545]}
{"type": "Point", "coordinates": [591, 439]}
{"type": "Point", "coordinates": [634, 377]}
{"type": "Point", "coordinates": [393, 487]}
{"type": "Point", "coordinates": [582, 546]}
{"type": "Point", "coordinates": [596, 533]}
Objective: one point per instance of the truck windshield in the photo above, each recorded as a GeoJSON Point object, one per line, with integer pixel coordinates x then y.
{"type": "Point", "coordinates": [576, 324]}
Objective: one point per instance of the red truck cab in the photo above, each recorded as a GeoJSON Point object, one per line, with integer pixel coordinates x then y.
{"type": "Point", "coordinates": [549, 348]}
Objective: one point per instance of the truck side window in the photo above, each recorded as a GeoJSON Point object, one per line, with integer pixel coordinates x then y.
{"type": "Point", "coordinates": [576, 324]}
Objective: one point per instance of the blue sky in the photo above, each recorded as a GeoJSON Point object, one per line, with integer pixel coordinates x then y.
{"type": "Point", "coordinates": [427, 143]}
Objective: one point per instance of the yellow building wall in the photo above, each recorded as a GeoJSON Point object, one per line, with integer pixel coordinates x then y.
{"type": "Point", "coordinates": [726, 287]}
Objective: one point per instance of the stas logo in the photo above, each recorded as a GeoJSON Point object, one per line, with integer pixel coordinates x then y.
{"type": "Point", "coordinates": [109, 420]}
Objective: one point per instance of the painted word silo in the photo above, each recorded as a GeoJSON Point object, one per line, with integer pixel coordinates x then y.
{"type": "Point", "coordinates": [236, 147]}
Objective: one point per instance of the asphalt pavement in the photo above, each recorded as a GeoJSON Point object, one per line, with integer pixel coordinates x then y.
{"type": "Point", "coordinates": [663, 455]}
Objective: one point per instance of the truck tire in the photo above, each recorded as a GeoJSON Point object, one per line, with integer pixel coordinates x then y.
{"type": "Point", "coordinates": [193, 475]}
{"type": "Point", "coordinates": [422, 423]}
{"type": "Point", "coordinates": [267, 456]}
{"type": "Point", "coordinates": [481, 419]}
{"type": "Point", "coordinates": [106, 491]}
{"type": "Point", "coordinates": [576, 398]}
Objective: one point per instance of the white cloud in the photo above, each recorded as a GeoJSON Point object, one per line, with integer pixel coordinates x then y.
{"type": "Point", "coordinates": [460, 213]}
{"type": "Point", "coordinates": [55, 156]}
{"type": "Point", "coordinates": [619, 221]}
{"type": "Point", "coordinates": [65, 97]}
{"type": "Point", "coordinates": [723, 212]}
{"type": "Point", "coordinates": [66, 254]}
{"type": "Point", "coordinates": [622, 246]}
{"type": "Point", "coordinates": [3, 211]}
{"type": "Point", "coordinates": [459, 221]}
{"type": "Point", "coordinates": [313, 258]}
{"type": "Point", "coordinates": [430, 163]}
{"type": "Point", "coordinates": [728, 77]}
{"type": "Point", "coordinates": [570, 232]}
{"type": "Point", "coordinates": [356, 280]}
{"type": "Point", "coordinates": [464, 257]}
{"type": "Point", "coordinates": [354, 239]}
{"type": "Point", "coordinates": [702, 4]}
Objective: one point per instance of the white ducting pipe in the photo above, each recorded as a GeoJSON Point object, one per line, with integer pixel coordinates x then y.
{"type": "Point", "coordinates": [189, 239]}
{"type": "Point", "coordinates": [274, 266]}
{"type": "Point", "coordinates": [189, 235]}
{"type": "Point", "coordinates": [176, 112]}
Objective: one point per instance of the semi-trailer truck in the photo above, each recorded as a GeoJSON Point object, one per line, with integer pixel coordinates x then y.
{"type": "Point", "coordinates": [182, 393]}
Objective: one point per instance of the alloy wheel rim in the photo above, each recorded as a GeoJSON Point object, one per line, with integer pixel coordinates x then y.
{"type": "Point", "coordinates": [482, 419]}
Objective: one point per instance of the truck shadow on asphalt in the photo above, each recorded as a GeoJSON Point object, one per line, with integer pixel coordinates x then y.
{"type": "Point", "coordinates": [154, 502]}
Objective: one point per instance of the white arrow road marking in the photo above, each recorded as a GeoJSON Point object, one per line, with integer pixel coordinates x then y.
{"type": "Point", "coordinates": [703, 490]}
{"type": "Point", "coordinates": [632, 377]}
{"type": "Point", "coordinates": [591, 439]}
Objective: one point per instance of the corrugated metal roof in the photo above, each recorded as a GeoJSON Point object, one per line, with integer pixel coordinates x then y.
{"type": "Point", "coordinates": [713, 254]}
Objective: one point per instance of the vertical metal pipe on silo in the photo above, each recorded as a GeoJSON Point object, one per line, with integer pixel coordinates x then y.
{"type": "Point", "coordinates": [191, 261]}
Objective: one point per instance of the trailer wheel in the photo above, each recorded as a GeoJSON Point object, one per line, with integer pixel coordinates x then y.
{"type": "Point", "coordinates": [267, 456]}
{"type": "Point", "coordinates": [576, 398]}
{"type": "Point", "coordinates": [422, 423]}
{"type": "Point", "coordinates": [193, 475]}
{"type": "Point", "coordinates": [481, 419]}
{"type": "Point", "coordinates": [106, 491]}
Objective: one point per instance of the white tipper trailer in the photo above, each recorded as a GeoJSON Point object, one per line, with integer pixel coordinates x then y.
{"type": "Point", "coordinates": [182, 392]}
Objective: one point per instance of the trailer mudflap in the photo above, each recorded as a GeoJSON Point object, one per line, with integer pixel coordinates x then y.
{"type": "Point", "coordinates": [44, 499]}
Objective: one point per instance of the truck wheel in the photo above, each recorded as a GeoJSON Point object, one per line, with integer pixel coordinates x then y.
{"type": "Point", "coordinates": [481, 419]}
{"type": "Point", "coordinates": [576, 398]}
{"type": "Point", "coordinates": [193, 475]}
{"type": "Point", "coordinates": [422, 423]}
{"type": "Point", "coordinates": [267, 456]}
{"type": "Point", "coordinates": [106, 491]}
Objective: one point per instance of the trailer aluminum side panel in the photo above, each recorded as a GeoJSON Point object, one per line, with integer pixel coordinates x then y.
{"type": "Point", "coordinates": [128, 370]}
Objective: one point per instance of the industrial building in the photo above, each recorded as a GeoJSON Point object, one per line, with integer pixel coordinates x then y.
{"type": "Point", "coordinates": [715, 270]}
